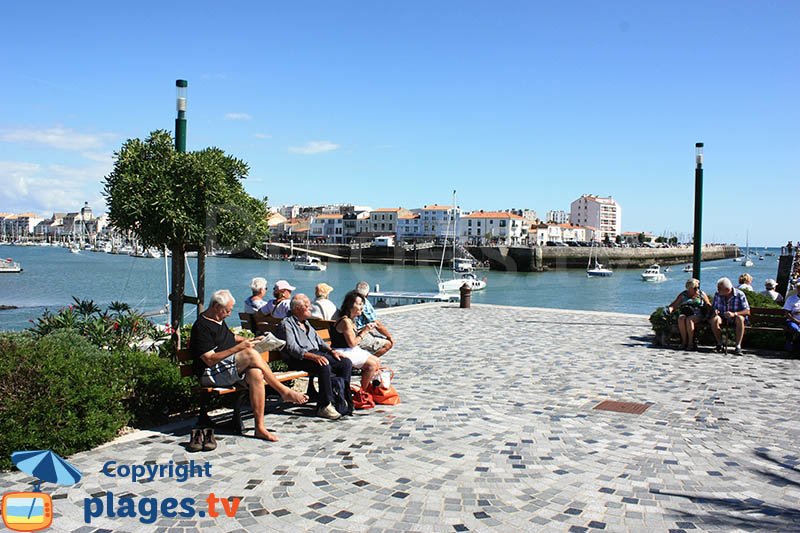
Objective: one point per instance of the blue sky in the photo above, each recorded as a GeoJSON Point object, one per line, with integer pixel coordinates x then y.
{"type": "Point", "coordinates": [514, 104]}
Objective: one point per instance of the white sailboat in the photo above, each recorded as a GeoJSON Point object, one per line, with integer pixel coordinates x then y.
{"type": "Point", "coordinates": [462, 272]}
{"type": "Point", "coordinates": [598, 270]}
{"type": "Point", "coordinates": [747, 263]}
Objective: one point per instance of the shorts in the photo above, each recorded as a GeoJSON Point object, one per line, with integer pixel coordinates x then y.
{"type": "Point", "coordinates": [372, 343]}
{"type": "Point", "coordinates": [357, 355]}
{"type": "Point", "coordinates": [223, 374]}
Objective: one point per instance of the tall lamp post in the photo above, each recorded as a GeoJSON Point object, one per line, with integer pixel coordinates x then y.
{"type": "Point", "coordinates": [177, 296]}
{"type": "Point", "coordinates": [180, 121]}
{"type": "Point", "coordinates": [698, 210]}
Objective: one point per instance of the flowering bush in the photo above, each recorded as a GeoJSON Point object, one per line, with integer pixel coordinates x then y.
{"type": "Point", "coordinates": [116, 327]}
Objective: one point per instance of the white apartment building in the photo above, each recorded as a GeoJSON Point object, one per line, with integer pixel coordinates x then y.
{"type": "Point", "coordinates": [489, 226]}
{"type": "Point", "coordinates": [559, 217]}
{"type": "Point", "coordinates": [409, 227]}
{"type": "Point", "coordinates": [602, 213]}
{"type": "Point", "coordinates": [433, 221]}
{"type": "Point", "coordinates": [329, 227]}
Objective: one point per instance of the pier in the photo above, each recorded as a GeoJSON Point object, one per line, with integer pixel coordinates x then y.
{"type": "Point", "coordinates": [508, 258]}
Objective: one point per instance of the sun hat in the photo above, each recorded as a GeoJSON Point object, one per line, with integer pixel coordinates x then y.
{"type": "Point", "coordinates": [282, 285]}
{"type": "Point", "coordinates": [770, 284]}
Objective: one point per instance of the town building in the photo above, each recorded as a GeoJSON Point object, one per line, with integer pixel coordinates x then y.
{"type": "Point", "coordinates": [327, 228]}
{"type": "Point", "coordinates": [493, 227]}
{"type": "Point", "coordinates": [557, 217]}
{"type": "Point", "coordinates": [602, 213]}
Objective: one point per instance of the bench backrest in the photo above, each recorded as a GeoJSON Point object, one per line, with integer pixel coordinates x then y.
{"type": "Point", "coordinates": [184, 357]}
{"type": "Point", "coordinates": [247, 321]}
{"type": "Point", "coordinates": [766, 316]}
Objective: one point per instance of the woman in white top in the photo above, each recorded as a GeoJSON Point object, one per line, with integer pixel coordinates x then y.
{"type": "Point", "coordinates": [323, 307]}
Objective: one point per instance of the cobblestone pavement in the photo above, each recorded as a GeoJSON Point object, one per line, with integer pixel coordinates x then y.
{"type": "Point", "coordinates": [498, 431]}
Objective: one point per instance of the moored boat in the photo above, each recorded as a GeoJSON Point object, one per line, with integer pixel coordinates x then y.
{"type": "Point", "coordinates": [653, 273]}
{"type": "Point", "coordinates": [307, 262]}
{"type": "Point", "coordinates": [598, 270]}
{"type": "Point", "coordinates": [9, 266]}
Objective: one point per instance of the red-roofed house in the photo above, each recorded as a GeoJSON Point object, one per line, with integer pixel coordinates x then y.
{"type": "Point", "coordinates": [501, 227]}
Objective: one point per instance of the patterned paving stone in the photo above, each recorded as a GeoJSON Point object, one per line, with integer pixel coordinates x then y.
{"type": "Point", "coordinates": [498, 431]}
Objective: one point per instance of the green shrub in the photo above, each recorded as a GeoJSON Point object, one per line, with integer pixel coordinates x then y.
{"type": "Point", "coordinates": [153, 385]}
{"type": "Point", "coordinates": [755, 299]}
{"type": "Point", "coordinates": [56, 392]}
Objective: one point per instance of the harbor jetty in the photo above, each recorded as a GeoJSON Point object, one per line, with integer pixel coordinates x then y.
{"type": "Point", "coordinates": [505, 258]}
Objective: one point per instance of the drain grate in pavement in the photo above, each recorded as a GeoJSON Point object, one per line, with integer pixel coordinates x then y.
{"type": "Point", "coordinates": [623, 407]}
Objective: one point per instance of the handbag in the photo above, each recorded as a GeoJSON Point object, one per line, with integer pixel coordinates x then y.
{"type": "Point", "coordinates": [381, 387]}
{"type": "Point", "coordinates": [361, 398]}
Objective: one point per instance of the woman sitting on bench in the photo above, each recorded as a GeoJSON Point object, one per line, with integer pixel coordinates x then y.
{"type": "Point", "coordinates": [690, 303]}
{"type": "Point", "coordinates": [345, 337]}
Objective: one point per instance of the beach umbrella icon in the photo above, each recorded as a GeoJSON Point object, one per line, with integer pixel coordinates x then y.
{"type": "Point", "coordinates": [46, 466]}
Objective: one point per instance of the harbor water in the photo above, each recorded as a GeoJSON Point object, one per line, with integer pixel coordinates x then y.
{"type": "Point", "coordinates": [52, 276]}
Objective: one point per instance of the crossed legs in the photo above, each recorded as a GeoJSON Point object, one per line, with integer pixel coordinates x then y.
{"type": "Point", "coordinates": [257, 374]}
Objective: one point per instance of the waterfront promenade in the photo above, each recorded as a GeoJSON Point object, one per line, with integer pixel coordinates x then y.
{"type": "Point", "coordinates": [498, 432]}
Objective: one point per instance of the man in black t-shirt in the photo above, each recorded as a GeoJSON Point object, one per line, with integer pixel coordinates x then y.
{"type": "Point", "coordinates": [224, 359]}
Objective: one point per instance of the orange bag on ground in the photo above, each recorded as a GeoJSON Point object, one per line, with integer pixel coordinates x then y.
{"type": "Point", "coordinates": [361, 398]}
{"type": "Point", "coordinates": [381, 389]}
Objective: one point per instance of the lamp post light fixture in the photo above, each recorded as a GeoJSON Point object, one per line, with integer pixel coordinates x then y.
{"type": "Point", "coordinates": [180, 121]}
{"type": "Point", "coordinates": [697, 256]}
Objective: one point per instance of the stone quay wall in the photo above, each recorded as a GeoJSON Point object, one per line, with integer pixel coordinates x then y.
{"type": "Point", "coordinates": [518, 259]}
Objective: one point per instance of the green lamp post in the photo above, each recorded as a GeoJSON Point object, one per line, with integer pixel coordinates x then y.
{"type": "Point", "coordinates": [180, 121]}
{"type": "Point", "coordinates": [698, 210]}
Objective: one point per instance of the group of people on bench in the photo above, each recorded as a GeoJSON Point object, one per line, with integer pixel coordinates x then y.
{"type": "Point", "coordinates": [223, 359]}
{"type": "Point", "coordinates": [728, 308]}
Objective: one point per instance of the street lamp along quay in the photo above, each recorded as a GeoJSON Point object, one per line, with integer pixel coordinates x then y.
{"type": "Point", "coordinates": [180, 122]}
{"type": "Point", "coordinates": [697, 257]}
{"type": "Point", "coordinates": [177, 296]}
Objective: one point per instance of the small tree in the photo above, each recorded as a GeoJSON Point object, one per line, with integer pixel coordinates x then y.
{"type": "Point", "coordinates": [184, 201]}
{"type": "Point", "coordinates": [640, 237]}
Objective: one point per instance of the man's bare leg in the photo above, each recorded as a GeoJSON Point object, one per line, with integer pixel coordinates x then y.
{"type": "Point", "coordinates": [252, 359]}
{"type": "Point", "coordinates": [255, 382]}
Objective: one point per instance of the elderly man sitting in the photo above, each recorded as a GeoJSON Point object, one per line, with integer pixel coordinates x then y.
{"type": "Point", "coordinates": [730, 306]}
{"type": "Point", "coordinates": [224, 359]}
{"type": "Point", "coordinates": [377, 345]}
{"type": "Point", "coordinates": [306, 351]}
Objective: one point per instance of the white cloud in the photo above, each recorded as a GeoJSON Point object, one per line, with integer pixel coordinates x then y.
{"type": "Point", "coordinates": [61, 138]}
{"type": "Point", "coordinates": [237, 116]}
{"type": "Point", "coordinates": [314, 147]}
{"type": "Point", "coordinates": [105, 157]}
{"type": "Point", "coordinates": [262, 136]}
{"type": "Point", "coordinates": [32, 187]}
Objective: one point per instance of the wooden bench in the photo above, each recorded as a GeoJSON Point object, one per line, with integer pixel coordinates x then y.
{"type": "Point", "coordinates": [766, 319]}
{"type": "Point", "coordinates": [239, 392]}
{"type": "Point", "coordinates": [247, 321]}
{"type": "Point", "coordinates": [762, 319]}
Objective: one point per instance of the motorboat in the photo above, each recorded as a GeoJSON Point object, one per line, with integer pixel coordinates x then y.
{"type": "Point", "coordinates": [455, 284]}
{"type": "Point", "coordinates": [598, 270]}
{"type": "Point", "coordinates": [10, 266]}
{"type": "Point", "coordinates": [653, 273]}
{"type": "Point", "coordinates": [687, 268]}
{"type": "Point", "coordinates": [307, 262]}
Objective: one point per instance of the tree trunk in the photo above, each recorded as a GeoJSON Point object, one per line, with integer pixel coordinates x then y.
{"type": "Point", "coordinates": [176, 292]}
